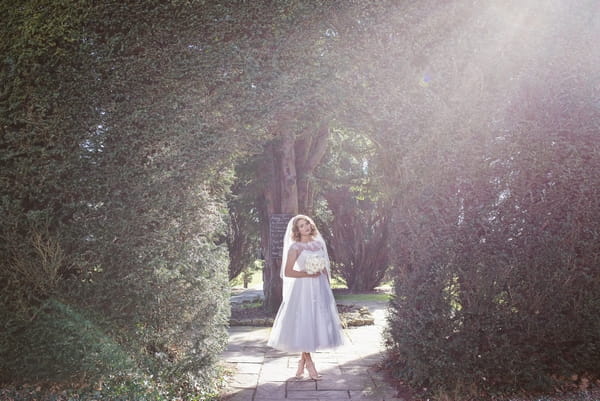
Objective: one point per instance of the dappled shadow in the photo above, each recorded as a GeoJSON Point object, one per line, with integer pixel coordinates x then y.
{"type": "Point", "coordinates": [349, 372]}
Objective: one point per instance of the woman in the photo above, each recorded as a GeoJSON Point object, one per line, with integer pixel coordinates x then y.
{"type": "Point", "coordinates": [307, 319]}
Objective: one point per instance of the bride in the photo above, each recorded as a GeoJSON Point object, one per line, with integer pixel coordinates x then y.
{"type": "Point", "coordinates": [307, 319]}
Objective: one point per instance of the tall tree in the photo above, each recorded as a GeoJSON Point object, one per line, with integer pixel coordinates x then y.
{"type": "Point", "coordinates": [286, 173]}
{"type": "Point", "coordinates": [114, 170]}
{"type": "Point", "coordinates": [243, 237]}
{"type": "Point", "coordinates": [351, 180]}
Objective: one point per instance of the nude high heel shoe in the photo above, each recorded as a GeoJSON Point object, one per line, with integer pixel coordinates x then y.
{"type": "Point", "coordinates": [300, 371]}
{"type": "Point", "coordinates": [312, 371]}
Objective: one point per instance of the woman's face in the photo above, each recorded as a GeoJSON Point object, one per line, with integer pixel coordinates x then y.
{"type": "Point", "coordinates": [304, 227]}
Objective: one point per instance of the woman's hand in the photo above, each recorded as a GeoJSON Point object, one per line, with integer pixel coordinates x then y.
{"type": "Point", "coordinates": [289, 267]}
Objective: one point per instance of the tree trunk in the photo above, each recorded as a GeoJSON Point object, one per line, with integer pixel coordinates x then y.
{"type": "Point", "coordinates": [283, 180]}
{"type": "Point", "coordinates": [288, 177]}
{"type": "Point", "coordinates": [287, 190]}
{"type": "Point", "coordinates": [272, 284]}
{"type": "Point", "coordinates": [309, 152]}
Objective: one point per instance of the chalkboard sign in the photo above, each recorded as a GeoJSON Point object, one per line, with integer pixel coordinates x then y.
{"type": "Point", "coordinates": [277, 226]}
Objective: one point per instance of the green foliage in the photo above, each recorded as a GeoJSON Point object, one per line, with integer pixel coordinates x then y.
{"type": "Point", "coordinates": [120, 123]}
{"type": "Point", "coordinates": [113, 187]}
{"type": "Point", "coordinates": [36, 38]}
{"type": "Point", "coordinates": [243, 236]}
{"type": "Point", "coordinates": [355, 223]}
{"type": "Point", "coordinates": [381, 297]}
{"type": "Point", "coordinates": [497, 221]}
{"type": "Point", "coordinates": [120, 389]}
{"type": "Point", "coordinates": [506, 298]}
{"type": "Point", "coordinates": [59, 343]}
{"type": "Point", "coordinates": [32, 269]}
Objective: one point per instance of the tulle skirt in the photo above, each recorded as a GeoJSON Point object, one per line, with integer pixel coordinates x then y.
{"type": "Point", "coordinates": [308, 321]}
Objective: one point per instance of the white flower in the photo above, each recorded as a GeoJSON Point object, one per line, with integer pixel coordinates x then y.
{"type": "Point", "coordinates": [314, 264]}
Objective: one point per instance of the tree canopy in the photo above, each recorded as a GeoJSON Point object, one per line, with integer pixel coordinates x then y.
{"type": "Point", "coordinates": [140, 141]}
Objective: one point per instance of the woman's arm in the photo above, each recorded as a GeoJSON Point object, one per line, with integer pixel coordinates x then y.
{"type": "Point", "coordinates": [289, 266]}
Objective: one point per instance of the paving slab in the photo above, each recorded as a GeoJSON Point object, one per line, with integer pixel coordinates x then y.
{"type": "Point", "coordinates": [318, 395]}
{"type": "Point", "coordinates": [261, 373]}
{"type": "Point", "coordinates": [365, 395]}
{"type": "Point", "coordinates": [301, 385]}
{"type": "Point", "coordinates": [270, 391]}
{"type": "Point", "coordinates": [246, 367]}
{"type": "Point", "coordinates": [244, 380]}
{"type": "Point", "coordinates": [275, 376]}
{"type": "Point", "coordinates": [239, 395]}
{"type": "Point", "coordinates": [241, 357]}
{"type": "Point", "coordinates": [344, 382]}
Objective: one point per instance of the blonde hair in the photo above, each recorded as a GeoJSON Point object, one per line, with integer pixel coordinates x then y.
{"type": "Point", "coordinates": [296, 232]}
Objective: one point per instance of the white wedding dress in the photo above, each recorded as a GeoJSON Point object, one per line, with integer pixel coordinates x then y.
{"type": "Point", "coordinates": [307, 319]}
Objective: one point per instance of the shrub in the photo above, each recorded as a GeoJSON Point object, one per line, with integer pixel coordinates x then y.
{"type": "Point", "coordinates": [59, 343]}
{"type": "Point", "coordinates": [499, 269]}
{"type": "Point", "coordinates": [108, 162]}
{"type": "Point", "coordinates": [496, 224]}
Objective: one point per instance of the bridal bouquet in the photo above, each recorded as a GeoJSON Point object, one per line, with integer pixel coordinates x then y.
{"type": "Point", "coordinates": [314, 264]}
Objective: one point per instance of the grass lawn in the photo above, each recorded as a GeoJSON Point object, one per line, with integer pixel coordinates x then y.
{"type": "Point", "coordinates": [370, 297]}
{"type": "Point", "coordinates": [337, 284]}
{"type": "Point", "coordinates": [255, 281]}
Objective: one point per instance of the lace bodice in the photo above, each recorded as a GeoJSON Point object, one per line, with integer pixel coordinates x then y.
{"type": "Point", "coordinates": [312, 246]}
{"type": "Point", "coordinates": [305, 249]}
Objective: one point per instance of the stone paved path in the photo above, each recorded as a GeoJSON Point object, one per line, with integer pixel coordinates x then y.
{"type": "Point", "coordinates": [263, 373]}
